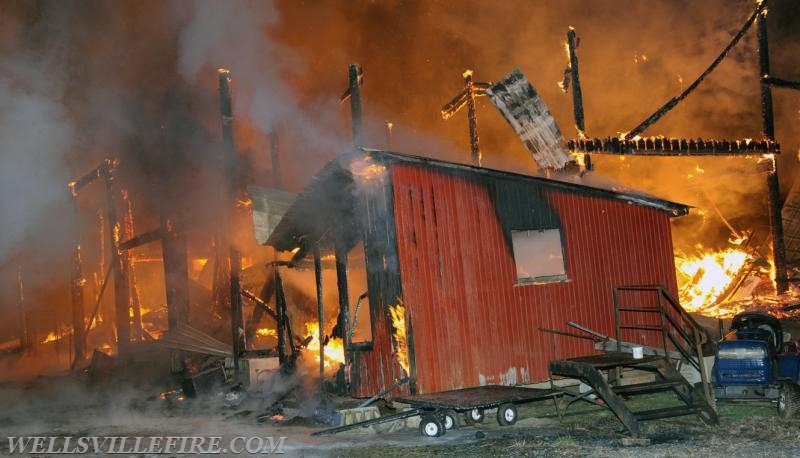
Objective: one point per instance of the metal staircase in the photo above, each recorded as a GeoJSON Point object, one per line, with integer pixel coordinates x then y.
{"type": "Point", "coordinates": [649, 313]}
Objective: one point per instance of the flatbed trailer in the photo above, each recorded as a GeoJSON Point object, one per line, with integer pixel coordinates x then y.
{"type": "Point", "coordinates": [439, 411]}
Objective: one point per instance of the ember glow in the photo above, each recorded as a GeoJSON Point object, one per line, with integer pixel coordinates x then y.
{"type": "Point", "coordinates": [334, 349]}
{"type": "Point", "coordinates": [398, 315]}
{"type": "Point", "coordinates": [266, 332]}
{"type": "Point", "coordinates": [707, 276]}
{"type": "Point", "coordinates": [367, 171]}
{"type": "Point", "coordinates": [51, 337]}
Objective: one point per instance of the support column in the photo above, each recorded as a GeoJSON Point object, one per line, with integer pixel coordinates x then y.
{"type": "Point", "coordinates": [354, 76]}
{"type": "Point", "coordinates": [320, 310]}
{"type": "Point", "coordinates": [773, 185]}
{"type": "Point", "coordinates": [344, 295]}
{"type": "Point", "coordinates": [119, 265]}
{"type": "Point", "coordinates": [228, 214]}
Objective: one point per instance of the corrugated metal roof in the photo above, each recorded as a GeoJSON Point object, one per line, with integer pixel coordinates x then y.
{"type": "Point", "coordinates": [328, 197]}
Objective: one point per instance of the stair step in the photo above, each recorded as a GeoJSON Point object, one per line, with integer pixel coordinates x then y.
{"type": "Point", "coordinates": [647, 387]}
{"type": "Point", "coordinates": [615, 359]}
{"type": "Point", "coordinates": [668, 412]}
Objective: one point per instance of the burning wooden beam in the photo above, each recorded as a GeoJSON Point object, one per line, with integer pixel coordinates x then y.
{"type": "Point", "coordinates": [780, 83]}
{"type": "Point", "coordinates": [577, 93]}
{"type": "Point", "coordinates": [663, 146]}
{"type": "Point", "coordinates": [466, 98]}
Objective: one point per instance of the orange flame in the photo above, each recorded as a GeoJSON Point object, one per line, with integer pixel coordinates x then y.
{"type": "Point", "coordinates": [707, 277]}
{"type": "Point", "coordinates": [334, 349]}
{"type": "Point", "coordinates": [51, 337]}
{"type": "Point", "coordinates": [398, 315]}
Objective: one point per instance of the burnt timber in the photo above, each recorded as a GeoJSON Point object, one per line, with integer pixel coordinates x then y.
{"type": "Point", "coordinates": [663, 146]}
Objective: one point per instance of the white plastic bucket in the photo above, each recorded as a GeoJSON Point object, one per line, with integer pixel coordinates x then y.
{"type": "Point", "coordinates": [638, 352]}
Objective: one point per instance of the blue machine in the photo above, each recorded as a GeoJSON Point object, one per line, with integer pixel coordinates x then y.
{"type": "Point", "coordinates": [752, 364]}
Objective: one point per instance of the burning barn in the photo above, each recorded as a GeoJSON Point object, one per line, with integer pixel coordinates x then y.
{"type": "Point", "coordinates": [464, 266]}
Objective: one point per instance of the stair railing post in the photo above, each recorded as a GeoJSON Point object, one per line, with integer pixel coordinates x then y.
{"type": "Point", "coordinates": [698, 342]}
{"type": "Point", "coordinates": [616, 318]}
{"type": "Point", "coordinates": [663, 322]}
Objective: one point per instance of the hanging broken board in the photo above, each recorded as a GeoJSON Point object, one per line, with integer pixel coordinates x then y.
{"type": "Point", "coordinates": [269, 206]}
{"type": "Point", "coordinates": [530, 118]}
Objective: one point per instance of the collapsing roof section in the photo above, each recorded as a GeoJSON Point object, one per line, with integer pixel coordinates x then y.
{"type": "Point", "coordinates": [330, 198]}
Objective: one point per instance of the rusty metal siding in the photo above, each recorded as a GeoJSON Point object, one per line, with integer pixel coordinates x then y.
{"type": "Point", "coordinates": [472, 323]}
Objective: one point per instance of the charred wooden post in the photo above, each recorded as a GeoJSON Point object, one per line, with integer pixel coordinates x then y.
{"type": "Point", "coordinates": [23, 319]}
{"type": "Point", "coordinates": [388, 126]}
{"type": "Point", "coordinates": [235, 258]}
{"type": "Point", "coordinates": [344, 295]}
{"type": "Point", "coordinates": [280, 311]}
{"type": "Point", "coordinates": [320, 310]}
{"type": "Point", "coordinates": [136, 309]}
{"type": "Point", "coordinates": [355, 76]}
{"type": "Point", "coordinates": [76, 283]}
{"type": "Point", "coordinates": [474, 147]}
{"type": "Point", "coordinates": [466, 98]}
{"type": "Point", "coordinates": [773, 185]}
{"type": "Point", "coordinates": [276, 163]}
{"type": "Point", "coordinates": [267, 290]}
{"type": "Point", "coordinates": [119, 265]}
{"type": "Point", "coordinates": [577, 94]}
{"type": "Point", "coordinates": [176, 271]}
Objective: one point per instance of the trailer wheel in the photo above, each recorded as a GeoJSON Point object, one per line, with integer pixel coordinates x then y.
{"type": "Point", "coordinates": [788, 401]}
{"type": "Point", "coordinates": [473, 416]}
{"type": "Point", "coordinates": [431, 426]}
{"type": "Point", "coordinates": [450, 419]}
{"type": "Point", "coordinates": [506, 414]}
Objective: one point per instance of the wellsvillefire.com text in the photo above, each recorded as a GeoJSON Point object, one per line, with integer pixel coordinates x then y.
{"type": "Point", "coordinates": [175, 445]}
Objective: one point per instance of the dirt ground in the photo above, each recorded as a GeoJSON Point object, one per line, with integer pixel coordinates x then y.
{"type": "Point", "coordinates": [64, 406]}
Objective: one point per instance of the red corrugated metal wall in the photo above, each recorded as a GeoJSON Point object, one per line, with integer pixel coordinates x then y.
{"type": "Point", "coordinates": [472, 324]}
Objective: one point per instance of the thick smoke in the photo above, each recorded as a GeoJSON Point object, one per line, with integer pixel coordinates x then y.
{"type": "Point", "coordinates": [137, 80]}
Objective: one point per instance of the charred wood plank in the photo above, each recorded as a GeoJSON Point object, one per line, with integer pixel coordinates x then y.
{"type": "Point", "coordinates": [141, 239]}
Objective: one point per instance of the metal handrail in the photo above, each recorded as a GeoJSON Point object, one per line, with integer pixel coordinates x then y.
{"type": "Point", "coordinates": [693, 341]}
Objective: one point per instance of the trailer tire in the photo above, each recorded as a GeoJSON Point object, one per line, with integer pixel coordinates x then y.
{"type": "Point", "coordinates": [431, 426]}
{"type": "Point", "coordinates": [473, 416]}
{"type": "Point", "coordinates": [788, 401]}
{"type": "Point", "coordinates": [450, 419]}
{"type": "Point", "coordinates": [507, 414]}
